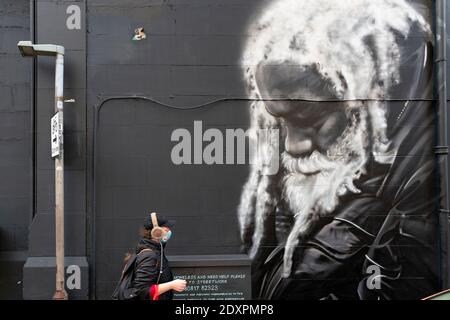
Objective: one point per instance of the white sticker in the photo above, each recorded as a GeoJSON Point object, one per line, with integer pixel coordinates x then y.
{"type": "Point", "coordinates": [56, 124]}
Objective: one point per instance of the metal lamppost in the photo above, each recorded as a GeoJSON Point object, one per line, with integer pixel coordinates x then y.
{"type": "Point", "coordinates": [28, 49]}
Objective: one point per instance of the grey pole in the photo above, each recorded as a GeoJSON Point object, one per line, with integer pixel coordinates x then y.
{"type": "Point", "coordinates": [28, 49]}
{"type": "Point", "coordinates": [60, 293]}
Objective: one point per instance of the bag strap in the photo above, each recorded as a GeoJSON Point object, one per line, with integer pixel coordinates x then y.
{"type": "Point", "coordinates": [126, 264]}
{"type": "Point", "coordinates": [145, 249]}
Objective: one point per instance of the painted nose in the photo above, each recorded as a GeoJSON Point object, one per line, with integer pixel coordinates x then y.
{"type": "Point", "coordinates": [298, 142]}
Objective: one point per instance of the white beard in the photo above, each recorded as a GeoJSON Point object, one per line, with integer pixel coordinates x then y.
{"type": "Point", "coordinates": [312, 186]}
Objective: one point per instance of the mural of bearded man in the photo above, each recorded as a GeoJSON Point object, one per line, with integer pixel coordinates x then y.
{"type": "Point", "coordinates": [351, 214]}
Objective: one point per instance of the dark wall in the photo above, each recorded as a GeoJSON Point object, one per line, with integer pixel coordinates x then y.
{"type": "Point", "coordinates": [15, 145]}
{"type": "Point", "coordinates": [190, 57]}
{"type": "Point", "coordinates": [51, 28]}
{"type": "Point", "coordinates": [192, 54]}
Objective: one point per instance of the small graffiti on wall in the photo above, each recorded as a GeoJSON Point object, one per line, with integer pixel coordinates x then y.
{"type": "Point", "coordinates": [350, 214]}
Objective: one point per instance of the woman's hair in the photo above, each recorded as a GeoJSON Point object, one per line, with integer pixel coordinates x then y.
{"type": "Point", "coordinates": [144, 233]}
{"type": "Point", "coordinates": [127, 257]}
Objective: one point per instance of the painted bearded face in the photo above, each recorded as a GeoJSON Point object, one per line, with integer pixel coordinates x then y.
{"type": "Point", "coordinates": [310, 126]}
{"type": "Point", "coordinates": [319, 71]}
{"type": "Point", "coordinates": [323, 141]}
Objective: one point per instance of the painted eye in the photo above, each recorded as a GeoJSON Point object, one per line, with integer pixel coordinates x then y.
{"type": "Point", "coordinates": [331, 128]}
{"type": "Point", "coordinates": [327, 124]}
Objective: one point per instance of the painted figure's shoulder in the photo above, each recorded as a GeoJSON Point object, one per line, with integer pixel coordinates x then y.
{"type": "Point", "coordinates": [365, 213]}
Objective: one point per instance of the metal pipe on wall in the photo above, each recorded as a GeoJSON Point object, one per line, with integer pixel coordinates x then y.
{"type": "Point", "coordinates": [441, 148]}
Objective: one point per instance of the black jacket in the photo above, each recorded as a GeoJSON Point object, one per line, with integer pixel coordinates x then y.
{"type": "Point", "coordinates": [148, 267]}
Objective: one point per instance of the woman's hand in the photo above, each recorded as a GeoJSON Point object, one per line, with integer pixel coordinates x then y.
{"type": "Point", "coordinates": [178, 285]}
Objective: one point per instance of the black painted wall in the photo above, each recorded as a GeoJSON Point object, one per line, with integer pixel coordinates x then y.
{"type": "Point", "coordinates": [191, 56]}
{"type": "Point", "coordinates": [51, 28]}
{"type": "Point", "coordinates": [15, 146]}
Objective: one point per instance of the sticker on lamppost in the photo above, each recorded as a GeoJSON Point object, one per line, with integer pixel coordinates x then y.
{"type": "Point", "coordinates": [57, 134]}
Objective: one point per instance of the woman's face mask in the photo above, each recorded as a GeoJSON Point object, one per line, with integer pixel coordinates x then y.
{"type": "Point", "coordinates": [167, 236]}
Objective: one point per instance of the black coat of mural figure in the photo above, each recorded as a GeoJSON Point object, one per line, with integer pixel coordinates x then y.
{"type": "Point", "coordinates": [352, 212]}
